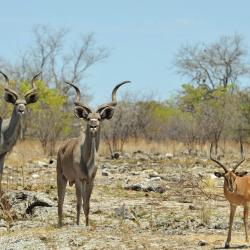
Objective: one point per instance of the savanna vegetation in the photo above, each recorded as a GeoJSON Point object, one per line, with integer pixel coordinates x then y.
{"type": "Point", "coordinates": [211, 106]}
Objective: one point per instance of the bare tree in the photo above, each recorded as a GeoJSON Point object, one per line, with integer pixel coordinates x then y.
{"type": "Point", "coordinates": [49, 127]}
{"type": "Point", "coordinates": [117, 131]}
{"type": "Point", "coordinates": [50, 55]}
{"type": "Point", "coordinates": [216, 64]}
{"type": "Point", "coordinates": [130, 122]}
{"type": "Point", "coordinates": [82, 57]}
{"type": "Point", "coordinates": [48, 45]}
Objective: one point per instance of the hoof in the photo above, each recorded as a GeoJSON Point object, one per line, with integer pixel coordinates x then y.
{"type": "Point", "coordinates": [226, 245]}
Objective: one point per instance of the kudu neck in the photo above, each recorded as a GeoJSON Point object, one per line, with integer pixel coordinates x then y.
{"type": "Point", "coordinates": [88, 146]}
{"type": "Point", "coordinates": [14, 125]}
{"type": "Point", "coordinates": [91, 142]}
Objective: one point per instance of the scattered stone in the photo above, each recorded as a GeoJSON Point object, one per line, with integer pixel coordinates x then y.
{"type": "Point", "coordinates": [154, 175]}
{"type": "Point", "coordinates": [152, 185]}
{"type": "Point", "coordinates": [138, 152]}
{"type": "Point", "coordinates": [135, 173]}
{"type": "Point", "coordinates": [51, 161]}
{"type": "Point", "coordinates": [115, 155]}
{"type": "Point", "coordinates": [3, 223]}
{"type": "Point", "coordinates": [30, 208]}
{"type": "Point", "coordinates": [192, 207]}
{"type": "Point", "coordinates": [3, 230]}
{"type": "Point", "coordinates": [202, 243]}
{"type": "Point", "coordinates": [222, 225]}
{"type": "Point", "coordinates": [23, 243]}
{"type": "Point", "coordinates": [169, 155]}
{"type": "Point", "coordinates": [135, 187]}
{"type": "Point", "coordinates": [41, 164]}
{"type": "Point", "coordinates": [104, 173]}
{"type": "Point", "coordinates": [157, 178]}
{"type": "Point", "coordinates": [21, 203]}
{"type": "Point", "coordinates": [126, 155]}
{"type": "Point", "coordinates": [107, 166]}
{"type": "Point", "coordinates": [140, 155]}
{"type": "Point", "coordinates": [35, 176]}
{"type": "Point", "coordinates": [124, 213]}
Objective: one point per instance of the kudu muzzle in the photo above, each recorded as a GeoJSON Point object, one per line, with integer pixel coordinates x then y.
{"type": "Point", "coordinates": [94, 125]}
{"type": "Point", "coordinates": [20, 106]}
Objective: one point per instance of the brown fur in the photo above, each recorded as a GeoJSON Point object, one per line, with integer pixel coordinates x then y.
{"type": "Point", "coordinates": [237, 192]}
{"type": "Point", "coordinates": [76, 165]}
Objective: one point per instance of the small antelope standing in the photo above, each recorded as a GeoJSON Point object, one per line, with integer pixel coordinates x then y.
{"type": "Point", "coordinates": [76, 157]}
{"type": "Point", "coordinates": [236, 191]}
{"type": "Point", "coordinates": [10, 128]}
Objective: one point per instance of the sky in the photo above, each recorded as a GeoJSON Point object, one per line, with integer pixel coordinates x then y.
{"type": "Point", "coordinates": [143, 37]}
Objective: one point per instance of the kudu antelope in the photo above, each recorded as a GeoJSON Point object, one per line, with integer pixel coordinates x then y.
{"type": "Point", "coordinates": [76, 157]}
{"type": "Point", "coordinates": [236, 191]}
{"type": "Point", "coordinates": [10, 128]}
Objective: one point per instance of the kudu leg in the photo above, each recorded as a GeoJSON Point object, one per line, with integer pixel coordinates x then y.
{"type": "Point", "coordinates": [246, 221]}
{"type": "Point", "coordinates": [87, 190]}
{"type": "Point", "coordinates": [61, 186]}
{"type": "Point", "coordinates": [1, 175]}
{"type": "Point", "coordinates": [232, 213]}
{"type": "Point", "coordinates": [1, 171]}
{"type": "Point", "coordinates": [78, 200]}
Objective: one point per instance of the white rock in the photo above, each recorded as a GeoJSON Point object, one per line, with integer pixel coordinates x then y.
{"type": "Point", "coordinates": [169, 155]}
{"type": "Point", "coordinates": [154, 179]}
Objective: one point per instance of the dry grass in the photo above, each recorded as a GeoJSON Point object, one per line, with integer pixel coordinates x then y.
{"type": "Point", "coordinates": [148, 146]}
{"type": "Point", "coordinates": [25, 151]}
{"type": "Point", "coordinates": [31, 150]}
{"type": "Point", "coordinates": [227, 148]}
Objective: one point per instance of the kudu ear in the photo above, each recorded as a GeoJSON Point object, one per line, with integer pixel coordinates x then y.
{"type": "Point", "coordinates": [107, 113]}
{"type": "Point", "coordinates": [218, 174]}
{"type": "Point", "coordinates": [31, 97]}
{"type": "Point", "coordinates": [241, 174]}
{"type": "Point", "coordinates": [10, 97]}
{"type": "Point", "coordinates": [81, 112]}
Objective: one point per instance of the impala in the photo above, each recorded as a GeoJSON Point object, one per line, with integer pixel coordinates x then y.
{"type": "Point", "coordinates": [76, 157]}
{"type": "Point", "coordinates": [236, 191]}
